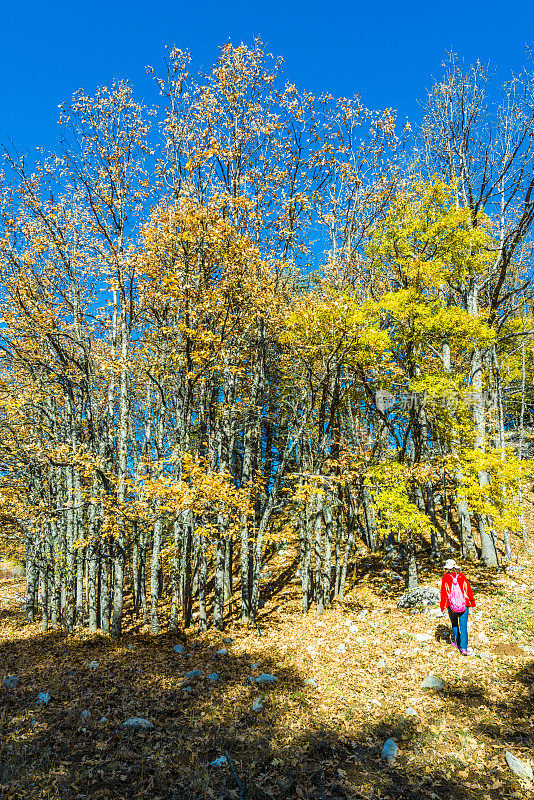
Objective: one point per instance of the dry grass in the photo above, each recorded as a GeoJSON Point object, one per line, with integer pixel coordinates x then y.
{"type": "Point", "coordinates": [308, 742]}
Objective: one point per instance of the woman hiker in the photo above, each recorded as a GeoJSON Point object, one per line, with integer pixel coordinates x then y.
{"type": "Point", "coordinates": [457, 598]}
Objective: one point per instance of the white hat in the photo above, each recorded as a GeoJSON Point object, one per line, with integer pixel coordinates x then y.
{"type": "Point", "coordinates": [450, 564]}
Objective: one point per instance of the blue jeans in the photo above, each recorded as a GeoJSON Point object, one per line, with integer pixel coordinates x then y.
{"type": "Point", "coordinates": [459, 627]}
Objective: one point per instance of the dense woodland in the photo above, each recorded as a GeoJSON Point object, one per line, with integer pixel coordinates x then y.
{"type": "Point", "coordinates": [249, 316]}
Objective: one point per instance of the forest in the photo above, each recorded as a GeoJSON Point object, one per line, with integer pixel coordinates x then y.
{"type": "Point", "coordinates": [246, 316]}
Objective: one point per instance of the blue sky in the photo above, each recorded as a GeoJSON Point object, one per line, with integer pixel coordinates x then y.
{"type": "Point", "coordinates": [385, 51]}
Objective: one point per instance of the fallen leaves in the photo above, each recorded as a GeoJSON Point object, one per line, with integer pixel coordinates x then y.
{"type": "Point", "coordinates": [325, 739]}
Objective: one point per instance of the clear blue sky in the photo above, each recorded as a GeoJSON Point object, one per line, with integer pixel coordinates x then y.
{"type": "Point", "coordinates": [385, 51]}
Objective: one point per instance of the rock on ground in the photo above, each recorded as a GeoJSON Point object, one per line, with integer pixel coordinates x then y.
{"type": "Point", "coordinates": [222, 761]}
{"type": "Point", "coordinates": [519, 768]}
{"type": "Point", "coordinates": [390, 750]}
{"type": "Point", "coordinates": [432, 682]}
{"type": "Point", "coordinates": [94, 665]}
{"type": "Point", "coordinates": [138, 723]}
{"type": "Point", "coordinates": [179, 648]}
{"type": "Point", "coordinates": [257, 705]}
{"type": "Point", "coordinates": [422, 597]}
{"type": "Point", "coordinates": [264, 678]}
{"type": "Point", "coordinates": [11, 681]}
{"type": "Point", "coordinates": [423, 637]}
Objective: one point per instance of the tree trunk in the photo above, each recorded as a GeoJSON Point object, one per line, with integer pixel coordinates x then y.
{"type": "Point", "coordinates": [44, 593]}
{"type": "Point", "coordinates": [327, 566]}
{"type": "Point", "coordinates": [412, 564]}
{"type": "Point", "coordinates": [104, 587]}
{"type": "Point", "coordinates": [154, 577]}
{"type": "Point", "coordinates": [202, 583]}
{"type": "Point", "coordinates": [92, 571]}
{"type": "Point", "coordinates": [317, 552]}
{"type": "Point", "coordinates": [305, 553]}
{"type": "Point", "coordinates": [187, 589]}
{"type": "Point", "coordinates": [177, 539]}
{"type": "Point", "coordinates": [228, 569]}
{"type": "Point", "coordinates": [32, 577]}
{"type": "Point", "coordinates": [70, 587]}
{"type": "Point", "coordinates": [346, 557]}
{"type": "Point", "coordinates": [218, 602]}
{"type": "Point", "coordinates": [369, 519]}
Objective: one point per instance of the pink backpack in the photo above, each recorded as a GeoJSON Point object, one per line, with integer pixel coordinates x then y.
{"type": "Point", "coordinates": [457, 602]}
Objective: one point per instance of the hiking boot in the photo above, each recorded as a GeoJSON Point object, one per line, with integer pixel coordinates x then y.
{"type": "Point", "coordinates": [464, 652]}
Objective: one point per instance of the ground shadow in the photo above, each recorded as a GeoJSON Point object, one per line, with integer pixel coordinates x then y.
{"type": "Point", "coordinates": [53, 751]}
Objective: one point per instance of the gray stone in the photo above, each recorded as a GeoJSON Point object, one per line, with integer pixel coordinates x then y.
{"type": "Point", "coordinates": [227, 640]}
{"type": "Point", "coordinates": [11, 681]}
{"type": "Point", "coordinates": [264, 678]}
{"type": "Point", "coordinates": [482, 638]}
{"type": "Point", "coordinates": [43, 698]}
{"type": "Point", "coordinates": [138, 723]}
{"type": "Point", "coordinates": [423, 637]}
{"type": "Point", "coordinates": [212, 677]}
{"type": "Point", "coordinates": [432, 682]}
{"type": "Point", "coordinates": [519, 768]}
{"type": "Point", "coordinates": [348, 623]}
{"type": "Point", "coordinates": [93, 665]}
{"type": "Point", "coordinates": [187, 689]}
{"type": "Point", "coordinates": [435, 612]}
{"type": "Point", "coordinates": [179, 648]}
{"type": "Point", "coordinates": [130, 647]}
{"type": "Point", "coordinates": [363, 613]}
{"type": "Point", "coordinates": [381, 663]}
{"type": "Point", "coordinates": [85, 714]}
{"type": "Point", "coordinates": [341, 648]}
{"type": "Point", "coordinates": [194, 673]}
{"type": "Point", "coordinates": [411, 712]}
{"type": "Point", "coordinates": [422, 597]}
{"type": "Point", "coordinates": [103, 720]}
{"type": "Point", "coordinates": [310, 682]}
{"type": "Point", "coordinates": [389, 751]}
{"type": "Point", "coordinates": [222, 652]}
{"type": "Point", "coordinates": [222, 761]}
{"type": "Point", "coordinates": [354, 629]}
{"type": "Point", "coordinates": [257, 705]}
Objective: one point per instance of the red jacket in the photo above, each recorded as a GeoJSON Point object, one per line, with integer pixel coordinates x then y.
{"type": "Point", "coordinates": [446, 585]}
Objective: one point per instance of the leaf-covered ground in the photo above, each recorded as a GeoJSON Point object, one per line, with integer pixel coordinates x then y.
{"type": "Point", "coordinates": [309, 741]}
